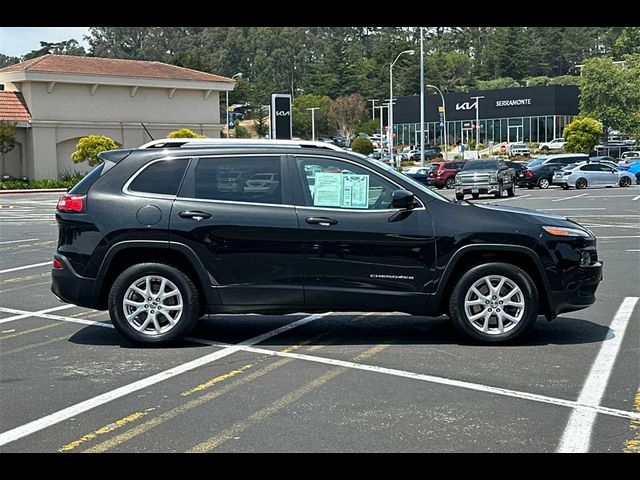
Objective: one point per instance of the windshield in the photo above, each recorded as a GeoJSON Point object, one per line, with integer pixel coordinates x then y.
{"type": "Point", "coordinates": [518, 145]}
{"type": "Point", "coordinates": [536, 162]}
{"type": "Point", "coordinates": [481, 165]}
{"type": "Point", "coordinates": [394, 173]}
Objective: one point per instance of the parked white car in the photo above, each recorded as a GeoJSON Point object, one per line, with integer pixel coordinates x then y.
{"type": "Point", "coordinates": [555, 144]}
{"type": "Point", "coordinates": [582, 175]}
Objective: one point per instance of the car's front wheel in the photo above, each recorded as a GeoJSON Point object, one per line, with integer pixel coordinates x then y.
{"type": "Point", "coordinates": [494, 302]}
{"type": "Point", "coordinates": [153, 303]}
{"type": "Point", "coordinates": [625, 181]}
{"type": "Point", "coordinates": [459, 196]}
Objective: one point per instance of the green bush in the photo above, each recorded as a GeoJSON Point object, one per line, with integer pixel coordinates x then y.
{"type": "Point", "coordinates": [370, 127]}
{"type": "Point", "coordinates": [90, 146]}
{"type": "Point", "coordinates": [184, 133]}
{"type": "Point", "coordinates": [362, 145]}
{"type": "Point", "coordinates": [35, 184]}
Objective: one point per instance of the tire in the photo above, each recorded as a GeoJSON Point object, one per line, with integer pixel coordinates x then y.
{"type": "Point", "coordinates": [625, 182]}
{"type": "Point", "coordinates": [638, 178]}
{"type": "Point", "coordinates": [475, 196]}
{"type": "Point", "coordinates": [459, 196]}
{"type": "Point", "coordinates": [183, 319]}
{"type": "Point", "coordinates": [500, 191]}
{"type": "Point", "coordinates": [581, 183]}
{"type": "Point", "coordinates": [511, 190]}
{"type": "Point", "coordinates": [450, 183]}
{"type": "Point", "coordinates": [544, 183]}
{"type": "Point", "coordinates": [439, 187]}
{"type": "Point", "coordinates": [513, 276]}
{"type": "Point", "coordinates": [529, 187]}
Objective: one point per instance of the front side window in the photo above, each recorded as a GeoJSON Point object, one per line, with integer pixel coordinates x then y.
{"type": "Point", "coordinates": [163, 177]}
{"type": "Point", "coordinates": [337, 184]}
{"type": "Point", "coordinates": [252, 179]}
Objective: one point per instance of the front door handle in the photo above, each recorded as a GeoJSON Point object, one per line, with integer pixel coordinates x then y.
{"type": "Point", "coordinates": [324, 221]}
{"type": "Point", "coordinates": [194, 214]}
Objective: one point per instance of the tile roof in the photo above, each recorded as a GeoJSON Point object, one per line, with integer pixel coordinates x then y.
{"type": "Point", "coordinates": [115, 67]}
{"type": "Point", "coordinates": [13, 107]}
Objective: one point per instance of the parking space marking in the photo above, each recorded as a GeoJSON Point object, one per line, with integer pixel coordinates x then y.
{"type": "Point", "coordinates": [25, 332]}
{"type": "Point", "coordinates": [19, 241]}
{"type": "Point", "coordinates": [619, 236]}
{"type": "Point", "coordinates": [633, 444]}
{"type": "Point", "coordinates": [24, 314]}
{"type": "Point", "coordinates": [633, 250]}
{"type": "Point", "coordinates": [569, 198]}
{"type": "Point", "coordinates": [22, 287]}
{"type": "Point", "coordinates": [24, 267]}
{"type": "Point", "coordinates": [106, 429]}
{"type": "Point", "coordinates": [282, 402]}
{"type": "Point", "coordinates": [512, 198]}
{"type": "Point", "coordinates": [571, 208]}
{"type": "Point", "coordinates": [30, 346]}
{"type": "Point", "coordinates": [577, 434]}
{"type": "Point", "coordinates": [25, 278]}
{"type": "Point", "coordinates": [69, 412]}
{"type": "Point", "coordinates": [216, 380]}
{"type": "Point", "coordinates": [635, 198]}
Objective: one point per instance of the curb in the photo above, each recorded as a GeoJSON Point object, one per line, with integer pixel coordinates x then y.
{"type": "Point", "coordinates": [34, 190]}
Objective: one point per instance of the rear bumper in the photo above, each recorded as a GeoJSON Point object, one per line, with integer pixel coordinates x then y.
{"type": "Point", "coordinates": [580, 291]}
{"type": "Point", "coordinates": [435, 182]}
{"type": "Point", "coordinates": [72, 288]}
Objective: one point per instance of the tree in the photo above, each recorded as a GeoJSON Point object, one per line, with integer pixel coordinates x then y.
{"type": "Point", "coordinates": [565, 80]}
{"type": "Point", "coordinates": [89, 147]}
{"type": "Point", "coordinates": [185, 133]}
{"type": "Point", "coordinates": [540, 81]}
{"type": "Point", "coordinates": [582, 135]}
{"type": "Point", "coordinates": [362, 145]}
{"type": "Point", "coordinates": [6, 60]}
{"type": "Point", "coordinates": [7, 139]}
{"type": "Point", "coordinates": [347, 113]}
{"type": "Point", "coordinates": [610, 93]}
{"type": "Point", "coordinates": [628, 42]}
{"type": "Point", "coordinates": [66, 47]}
{"type": "Point", "coordinates": [260, 123]}
{"type": "Point", "coordinates": [241, 130]}
{"type": "Point", "coordinates": [301, 119]}
{"type": "Point", "coordinates": [370, 127]}
{"type": "Point", "coordinates": [504, 82]}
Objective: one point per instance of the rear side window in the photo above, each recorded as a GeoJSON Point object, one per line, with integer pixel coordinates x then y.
{"type": "Point", "coordinates": [83, 186]}
{"type": "Point", "coordinates": [163, 177]}
{"type": "Point", "coordinates": [239, 179]}
{"type": "Point", "coordinates": [449, 166]}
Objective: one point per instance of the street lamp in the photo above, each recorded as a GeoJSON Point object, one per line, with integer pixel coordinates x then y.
{"type": "Point", "coordinates": [410, 52]}
{"type": "Point", "coordinates": [477, 120]}
{"type": "Point", "coordinates": [239, 75]}
{"type": "Point", "coordinates": [444, 118]}
{"type": "Point", "coordinates": [373, 108]}
{"type": "Point", "coordinates": [313, 122]}
{"type": "Point", "coordinates": [382, 107]}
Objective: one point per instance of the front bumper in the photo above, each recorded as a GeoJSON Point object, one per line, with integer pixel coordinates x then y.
{"type": "Point", "coordinates": [478, 188]}
{"type": "Point", "coordinates": [580, 292]}
{"type": "Point", "coordinates": [72, 288]}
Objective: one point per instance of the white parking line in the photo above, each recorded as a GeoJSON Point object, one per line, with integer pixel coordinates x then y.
{"type": "Point", "coordinates": [513, 198]}
{"type": "Point", "coordinates": [635, 198]}
{"type": "Point", "coordinates": [619, 236]}
{"type": "Point", "coordinates": [24, 314]}
{"type": "Point", "coordinates": [633, 250]}
{"type": "Point", "coordinates": [24, 267]}
{"type": "Point", "coordinates": [577, 434]}
{"type": "Point", "coordinates": [569, 198]}
{"type": "Point", "coordinates": [74, 410]}
{"type": "Point", "coordinates": [19, 241]}
{"type": "Point", "coordinates": [572, 209]}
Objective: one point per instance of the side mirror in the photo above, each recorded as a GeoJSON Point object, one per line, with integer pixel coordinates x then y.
{"type": "Point", "coordinates": [402, 199]}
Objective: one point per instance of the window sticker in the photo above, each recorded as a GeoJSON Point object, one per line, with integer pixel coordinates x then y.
{"type": "Point", "coordinates": [327, 190]}
{"type": "Point", "coordinates": [355, 191]}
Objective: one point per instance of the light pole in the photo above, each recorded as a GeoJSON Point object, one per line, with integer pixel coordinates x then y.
{"type": "Point", "coordinates": [421, 100]}
{"type": "Point", "coordinates": [391, 150]}
{"type": "Point", "coordinates": [373, 108]}
{"type": "Point", "coordinates": [239, 75]}
{"type": "Point", "coordinates": [382, 107]}
{"type": "Point", "coordinates": [444, 118]}
{"type": "Point", "coordinates": [313, 122]}
{"type": "Point", "coordinates": [478, 120]}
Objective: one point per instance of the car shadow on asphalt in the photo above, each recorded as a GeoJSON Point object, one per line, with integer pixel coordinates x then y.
{"type": "Point", "coordinates": [357, 330]}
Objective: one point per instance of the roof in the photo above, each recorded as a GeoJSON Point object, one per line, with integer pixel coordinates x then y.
{"type": "Point", "coordinates": [112, 67]}
{"type": "Point", "coordinates": [13, 107]}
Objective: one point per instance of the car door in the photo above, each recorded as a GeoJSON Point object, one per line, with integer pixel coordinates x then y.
{"type": "Point", "coordinates": [357, 252]}
{"type": "Point", "coordinates": [232, 212]}
{"type": "Point", "coordinates": [608, 175]}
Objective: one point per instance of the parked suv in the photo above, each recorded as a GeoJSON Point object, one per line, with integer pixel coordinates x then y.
{"type": "Point", "coordinates": [519, 150]}
{"type": "Point", "coordinates": [445, 174]}
{"type": "Point", "coordinates": [155, 236]}
{"type": "Point", "coordinates": [485, 176]}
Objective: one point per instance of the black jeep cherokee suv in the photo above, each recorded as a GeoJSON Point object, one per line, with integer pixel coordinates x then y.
{"type": "Point", "coordinates": [161, 236]}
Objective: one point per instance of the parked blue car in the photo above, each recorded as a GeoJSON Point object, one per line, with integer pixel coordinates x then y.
{"type": "Point", "coordinates": [634, 169]}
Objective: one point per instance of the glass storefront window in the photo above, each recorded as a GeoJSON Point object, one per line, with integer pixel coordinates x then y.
{"type": "Point", "coordinates": [549, 128]}
{"type": "Point", "coordinates": [527, 129]}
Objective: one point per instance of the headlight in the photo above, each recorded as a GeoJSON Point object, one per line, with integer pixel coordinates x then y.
{"type": "Point", "coordinates": [566, 232]}
{"type": "Point", "coordinates": [458, 180]}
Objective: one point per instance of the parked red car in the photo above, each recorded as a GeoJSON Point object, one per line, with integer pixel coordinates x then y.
{"type": "Point", "coordinates": [444, 175]}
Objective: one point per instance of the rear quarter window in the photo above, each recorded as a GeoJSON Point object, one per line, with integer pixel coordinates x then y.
{"type": "Point", "coordinates": [161, 177]}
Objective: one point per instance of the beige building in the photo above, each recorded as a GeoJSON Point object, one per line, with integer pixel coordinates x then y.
{"type": "Point", "coordinates": [56, 99]}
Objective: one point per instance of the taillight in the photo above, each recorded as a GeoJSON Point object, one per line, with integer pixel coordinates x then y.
{"type": "Point", "coordinates": [567, 173]}
{"type": "Point", "coordinates": [528, 173]}
{"type": "Point", "coordinates": [57, 264]}
{"type": "Point", "coordinates": [71, 203]}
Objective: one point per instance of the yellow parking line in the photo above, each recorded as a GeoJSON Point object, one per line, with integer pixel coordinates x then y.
{"type": "Point", "coordinates": [4, 337]}
{"type": "Point", "coordinates": [106, 429]}
{"type": "Point", "coordinates": [633, 444]}
{"type": "Point", "coordinates": [261, 415]}
{"type": "Point", "coordinates": [215, 380]}
{"type": "Point", "coordinates": [24, 278]}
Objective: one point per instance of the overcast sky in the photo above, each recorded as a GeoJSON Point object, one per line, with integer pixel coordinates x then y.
{"type": "Point", "coordinates": [16, 41]}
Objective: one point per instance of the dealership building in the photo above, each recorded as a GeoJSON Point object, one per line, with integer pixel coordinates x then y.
{"type": "Point", "coordinates": [54, 100]}
{"type": "Point", "coordinates": [527, 114]}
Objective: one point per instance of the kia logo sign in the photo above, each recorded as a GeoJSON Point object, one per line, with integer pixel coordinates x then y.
{"type": "Point", "coordinates": [281, 116]}
{"type": "Point", "coordinates": [466, 105]}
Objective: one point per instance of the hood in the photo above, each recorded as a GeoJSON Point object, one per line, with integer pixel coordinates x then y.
{"type": "Point", "coordinates": [535, 215]}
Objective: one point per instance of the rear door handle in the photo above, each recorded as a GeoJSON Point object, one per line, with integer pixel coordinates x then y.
{"type": "Point", "coordinates": [324, 221]}
{"type": "Point", "coordinates": [194, 214]}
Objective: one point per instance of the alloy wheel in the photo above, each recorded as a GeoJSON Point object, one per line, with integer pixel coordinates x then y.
{"type": "Point", "coordinates": [494, 305]}
{"type": "Point", "coordinates": [152, 305]}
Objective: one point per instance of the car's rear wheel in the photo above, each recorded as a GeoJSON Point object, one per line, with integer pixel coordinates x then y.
{"type": "Point", "coordinates": [581, 183]}
{"type": "Point", "coordinates": [494, 302]}
{"type": "Point", "coordinates": [625, 181]}
{"type": "Point", "coordinates": [543, 183]}
{"type": "Point", "coordinates": [500, 191]}
{"type": "Point", "coordinates": [511, 190]}
{"type": "Point", "coordinates": [153, 303]}
{"type": "Point", "coordinates": [449, 183]}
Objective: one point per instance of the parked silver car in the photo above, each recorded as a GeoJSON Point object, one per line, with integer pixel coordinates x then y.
{"type": "Point", "coordinates": [582, 175]}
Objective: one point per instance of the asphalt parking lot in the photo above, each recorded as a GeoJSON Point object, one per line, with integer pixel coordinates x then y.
{"type": "Point", "coordinates": [336, 382]}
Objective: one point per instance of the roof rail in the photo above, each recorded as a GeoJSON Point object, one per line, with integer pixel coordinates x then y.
{"type": "Point", "coordinates": [234, 142]}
